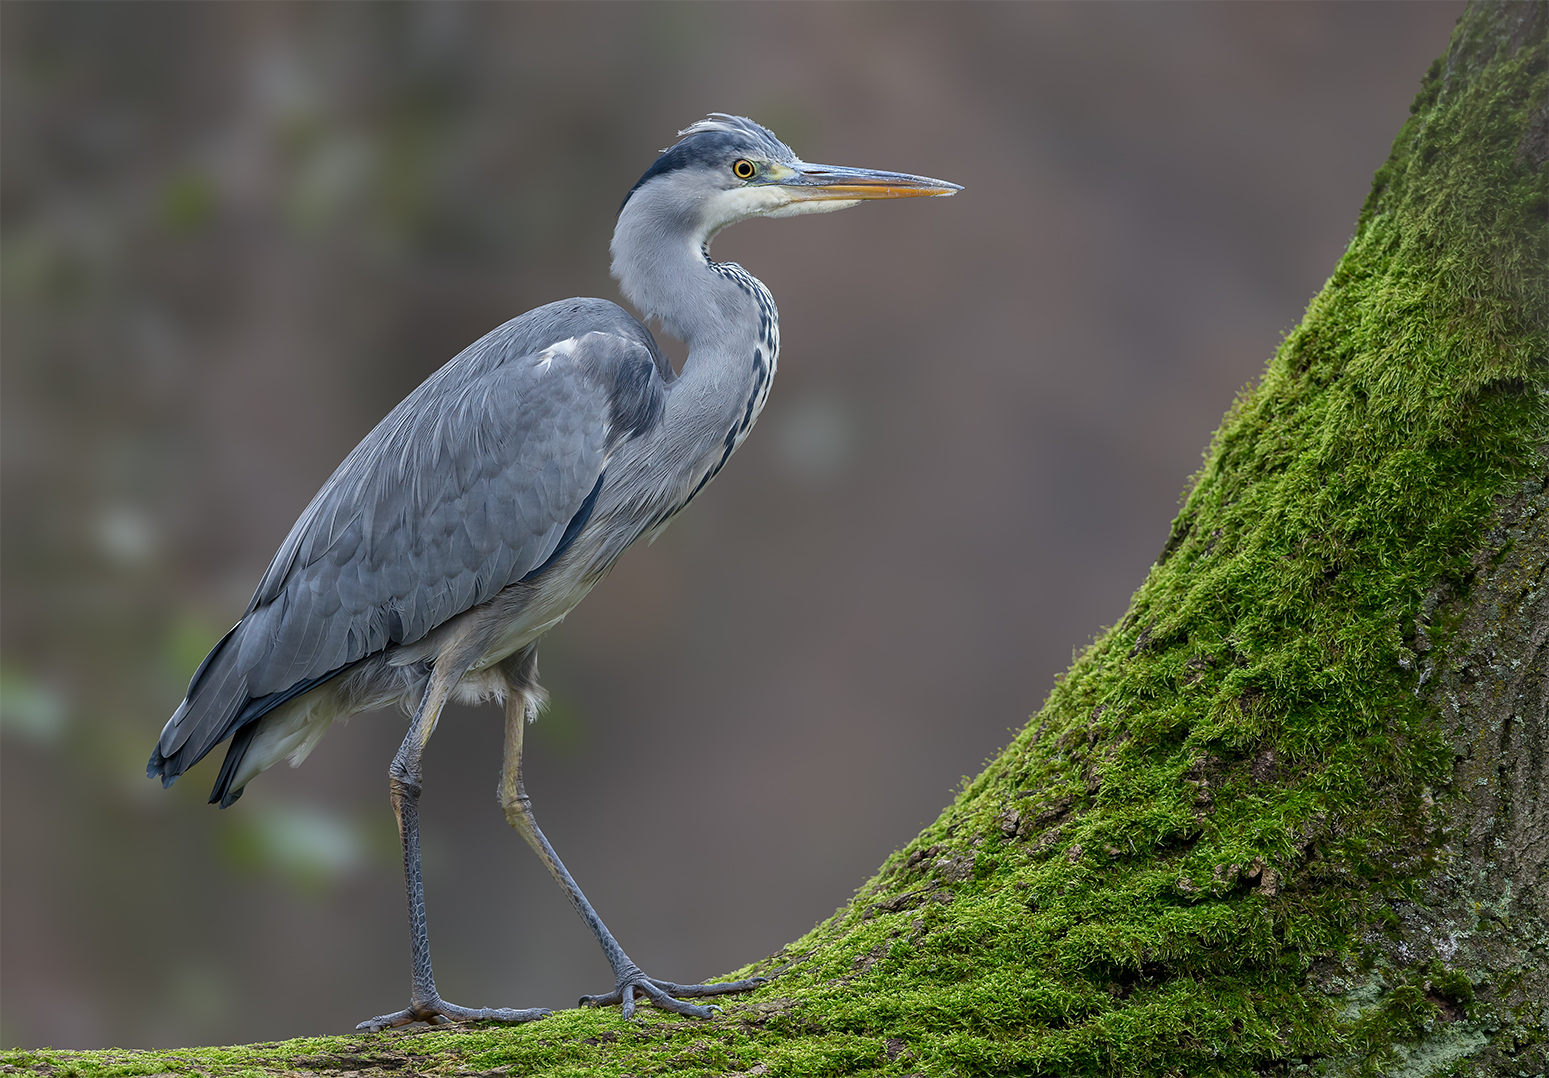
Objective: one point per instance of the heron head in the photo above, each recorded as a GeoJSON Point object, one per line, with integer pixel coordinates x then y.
{"type": "Point", "coordinates": [726, 169]}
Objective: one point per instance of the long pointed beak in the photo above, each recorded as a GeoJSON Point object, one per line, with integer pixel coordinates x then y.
{"type": "Point", "coordinates": [829, 183]}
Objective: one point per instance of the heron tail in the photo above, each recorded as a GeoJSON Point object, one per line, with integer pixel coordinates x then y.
{"type": "Point", "coordinates": [217, 706]}
{"type": "Point", "coordinates": [216, 694]}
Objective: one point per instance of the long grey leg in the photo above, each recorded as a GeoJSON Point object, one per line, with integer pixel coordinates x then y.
{"type": "Point", "coordinates": [425, 1003]}
{"type": "Point", "coordinates": [628, 977]}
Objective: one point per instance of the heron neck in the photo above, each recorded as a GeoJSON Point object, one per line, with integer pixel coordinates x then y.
{"type": "Point", "coordinates": [725, 315]}
{"type": "Point", "coordinates": [661, 261]}
{"type": "Point", "coordinates": [729, 322]}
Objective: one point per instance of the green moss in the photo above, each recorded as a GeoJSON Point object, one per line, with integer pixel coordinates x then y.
{"type": "Point", "coordinates": [1229, 786]}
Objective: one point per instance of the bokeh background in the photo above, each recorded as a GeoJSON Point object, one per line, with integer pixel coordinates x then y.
{"type": "Point", "coordinates": [235, 235]}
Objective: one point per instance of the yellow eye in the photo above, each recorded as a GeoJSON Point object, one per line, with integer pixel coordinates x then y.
{"type": "Point", "coordinates": [743, 169]}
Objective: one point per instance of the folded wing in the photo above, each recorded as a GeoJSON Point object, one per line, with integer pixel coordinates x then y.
{"type": "Point", "coordinates": [465, 488]}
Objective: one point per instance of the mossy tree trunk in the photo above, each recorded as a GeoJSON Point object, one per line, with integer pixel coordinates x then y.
{"type": "Point", "coordinates": [1290, 815]}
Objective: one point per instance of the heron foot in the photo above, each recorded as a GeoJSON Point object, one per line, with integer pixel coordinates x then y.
{"type": "Point", "coordinates": [663, 993]}
{"type": "Point", "coordinates": [439, 1012]}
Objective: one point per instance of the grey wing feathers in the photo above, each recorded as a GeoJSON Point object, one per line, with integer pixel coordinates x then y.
{"type": "Point", "coordinates": [463, 489]}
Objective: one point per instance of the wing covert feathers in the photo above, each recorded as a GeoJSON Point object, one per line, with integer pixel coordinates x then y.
{"type": "Point", "coordinates": [467, 486]}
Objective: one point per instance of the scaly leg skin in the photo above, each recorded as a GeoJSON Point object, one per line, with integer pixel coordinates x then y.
{"type": "Point", "coordinates": [629, 981]}
{"type": "Point", "coordinates": [425, 1003]}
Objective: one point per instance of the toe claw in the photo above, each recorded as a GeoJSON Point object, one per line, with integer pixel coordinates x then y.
{"type": "Point", "coordinates": [387, 1021]}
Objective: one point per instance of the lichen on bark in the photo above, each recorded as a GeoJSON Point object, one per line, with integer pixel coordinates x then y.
{"type": "Point", "coordinates": [1288, 816]}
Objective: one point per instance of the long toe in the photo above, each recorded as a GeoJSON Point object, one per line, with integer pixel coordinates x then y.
{"type": "Point", "coordinates": [718, 989]}
{"type": "Point", "coordinates": [440, 1012]}
{"type": "Point", "coordinates": [391, 1021]}
{"type": "Point", "coordinates": [663, 994]}
{"type": "Point", "coordinates": [492, 1014]}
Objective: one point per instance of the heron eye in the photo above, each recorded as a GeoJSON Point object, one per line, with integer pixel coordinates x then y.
{"type": "Point", "coordinates": [743, 169]}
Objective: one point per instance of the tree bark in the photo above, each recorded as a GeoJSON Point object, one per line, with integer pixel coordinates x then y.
{"type": "Point", "coordinates": [1289, 816]}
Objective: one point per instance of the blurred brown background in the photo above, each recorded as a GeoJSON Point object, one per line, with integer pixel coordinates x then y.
{"type": "Point", "coordinates": [235, 235]}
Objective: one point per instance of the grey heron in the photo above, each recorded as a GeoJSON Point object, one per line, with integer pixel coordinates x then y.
{"type": "Point", "coordinates": [497, 494]}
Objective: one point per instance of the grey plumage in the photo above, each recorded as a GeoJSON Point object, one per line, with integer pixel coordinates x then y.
{"type": "Point", "coordinates": [491, 500]}
{"type": "Point", "coordinates": [466, 487]}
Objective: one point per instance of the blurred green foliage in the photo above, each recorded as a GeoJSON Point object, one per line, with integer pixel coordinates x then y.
{"type": "Point", "coordinates": [31, 708]}
{"type": "Point", "coordinates": [309, 846]}
{"type": "Point", "coordinates": [188, 203]}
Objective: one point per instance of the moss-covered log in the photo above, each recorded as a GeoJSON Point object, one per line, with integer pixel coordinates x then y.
{"type": "Point", "coordinates": [1290, 815]}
